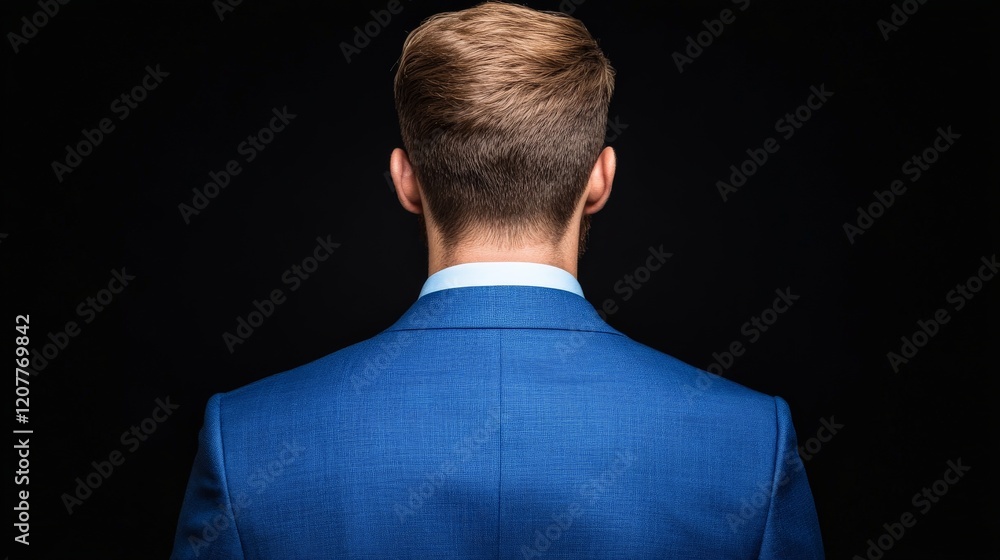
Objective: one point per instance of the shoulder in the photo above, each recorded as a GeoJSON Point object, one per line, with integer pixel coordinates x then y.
{"type": "Point", "coordinates": [335, 373]}
{"type": "Point", "coordinates": [693, 384]}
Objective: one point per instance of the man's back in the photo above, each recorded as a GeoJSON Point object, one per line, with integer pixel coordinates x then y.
{"type": "Point", "coordinates": [497, 422]}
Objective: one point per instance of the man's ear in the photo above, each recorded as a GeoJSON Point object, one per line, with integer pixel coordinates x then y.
{"type": "Point", "coordinates": [405, 181]}
{"type": "Point", "coordinates": [599, 184]}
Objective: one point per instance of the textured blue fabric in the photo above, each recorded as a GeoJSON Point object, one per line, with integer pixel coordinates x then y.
{"type": "Point", "coordinates": [497, 422]}
{"type": "Point", "coordinates": [501, 274]}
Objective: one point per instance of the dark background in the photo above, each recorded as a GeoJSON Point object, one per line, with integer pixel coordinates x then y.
{"type": "Point", "coordinates": [324, 176]}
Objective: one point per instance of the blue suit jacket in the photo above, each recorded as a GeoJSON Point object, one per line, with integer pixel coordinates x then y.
{"type": "Point", "coordinates": [497, 422]}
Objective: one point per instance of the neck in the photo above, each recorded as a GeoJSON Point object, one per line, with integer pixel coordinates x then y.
{"type": "Point", "coordinates": [438, 260]}
{"type": "Point", "coordinates": [564, 254]}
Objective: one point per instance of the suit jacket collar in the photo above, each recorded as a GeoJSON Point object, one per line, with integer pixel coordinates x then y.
{"type": "Point", "coordinates": [512, 307]}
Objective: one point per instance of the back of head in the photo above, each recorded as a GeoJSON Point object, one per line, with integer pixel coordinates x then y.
{"type": "Point", "coordinates": [503, 111]}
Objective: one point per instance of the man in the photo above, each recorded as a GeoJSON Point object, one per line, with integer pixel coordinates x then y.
{"type": "Point", "coordinates": [500, 417]}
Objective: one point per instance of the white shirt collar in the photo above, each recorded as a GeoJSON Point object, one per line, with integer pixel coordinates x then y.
{"type": "Point", "coordinates": [502, 274]}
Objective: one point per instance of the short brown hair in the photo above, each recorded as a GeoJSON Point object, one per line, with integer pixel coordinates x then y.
{"type": "Point", "coordinates": [503, 111]}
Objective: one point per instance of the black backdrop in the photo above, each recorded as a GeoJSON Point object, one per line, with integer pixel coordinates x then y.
{"type": "Point", "coordinates": [678, 126]}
